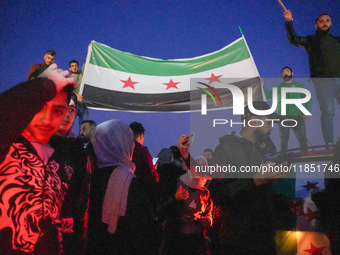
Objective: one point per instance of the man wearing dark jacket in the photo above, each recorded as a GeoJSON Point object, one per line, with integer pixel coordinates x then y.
{"type": "Point", "coordinates": [73, 214]}
{"type": "Point", "coordinates": [246, 201]}
{"type": "Point", "coordinates": [142, 157]}
{"type": "Point", "coordinates": [37, 69]}
{"type": "Point", "coordinates": [323, 51]}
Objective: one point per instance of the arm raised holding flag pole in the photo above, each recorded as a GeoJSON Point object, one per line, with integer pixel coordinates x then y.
{"type": "Point", "coordinates": [287, 14]}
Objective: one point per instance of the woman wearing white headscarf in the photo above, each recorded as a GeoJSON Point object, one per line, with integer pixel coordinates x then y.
{"type": "Point", "coordinates": [120, 221]}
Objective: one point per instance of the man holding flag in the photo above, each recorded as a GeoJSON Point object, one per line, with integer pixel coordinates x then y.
{"type": "Point", "coordinates": [323, 51]}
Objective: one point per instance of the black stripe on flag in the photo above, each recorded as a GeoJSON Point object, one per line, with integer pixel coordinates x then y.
{"type": "Point", "coordinates": [165, 102]}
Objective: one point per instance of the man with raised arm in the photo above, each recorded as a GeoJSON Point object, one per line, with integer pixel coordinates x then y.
{"type": "Point", "coordinates": [323, 51]}
{"type": "Point", "coordinates": [33, 179]}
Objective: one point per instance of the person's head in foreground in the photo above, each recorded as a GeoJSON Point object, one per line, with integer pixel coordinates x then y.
{"type": "Point", "coordinates": [47, 122]}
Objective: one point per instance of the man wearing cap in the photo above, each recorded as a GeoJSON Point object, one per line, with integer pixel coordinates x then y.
{"type": "Point", "coordinates": [292, 111]}
{"type": "Point", "coordinates": [37, 69]}
{"type": "Point", "coordinates": [245, 200]}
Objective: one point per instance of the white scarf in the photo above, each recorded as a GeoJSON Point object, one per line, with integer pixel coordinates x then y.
{"type": "Point", "coordinates": [113, 144]}
{"type": "Point", "coordinates": [193, 182]}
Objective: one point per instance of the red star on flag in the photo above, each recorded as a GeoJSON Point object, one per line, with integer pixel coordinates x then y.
{"type": "Point", "coordinates": [213, 78]}
{"type": "Point", "coordinates": [310, 215]}
{"type": "Point", "coordinates": [314, 251]}
{"type": "Point", "coordinates": [171, 84]}
{"type": "Point", "coordinates": [129, 83]}
{"type": "Point", "coordinates": [310, 185]}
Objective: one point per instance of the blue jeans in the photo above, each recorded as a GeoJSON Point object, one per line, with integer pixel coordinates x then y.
{"type": "Point", "coordinates": [82, 112]}
{"type": "Point", "coordinates": [326, 90]}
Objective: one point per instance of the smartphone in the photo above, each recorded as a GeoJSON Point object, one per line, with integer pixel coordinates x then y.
{"type": "Point", "coordinates": [154, 161]}
{"type": "Point", "coordinates": [191, 138]}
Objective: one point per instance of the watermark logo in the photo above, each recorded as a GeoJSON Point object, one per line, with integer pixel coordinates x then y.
{"type": "Point", "coordinates": [239, 99]}
{"type": "Point", "coordinates": [207, 91]}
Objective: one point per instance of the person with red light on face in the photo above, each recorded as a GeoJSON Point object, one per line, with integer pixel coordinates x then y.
{"type": "Point", "coordinates": [188, 215]}
{"type": "Point", "coordinates": [33, 180]}
{"type": "Point", "coordinates": [37, 69]}
{"type": "Point", "coordinates": [323, 51]}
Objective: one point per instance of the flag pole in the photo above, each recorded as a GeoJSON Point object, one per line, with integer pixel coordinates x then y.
{"type": "Point", "coordinates": [87, 61]}
{"type": "Point", "coordinates": [240, 30]}
{"type": "Point", "coordinates": [282, 5]}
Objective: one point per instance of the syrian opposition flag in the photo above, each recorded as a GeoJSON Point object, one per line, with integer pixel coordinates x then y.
{"type": "Point", "coordinates": [118, 80]}
{"type": "Point", "coordinates": [307, 237]}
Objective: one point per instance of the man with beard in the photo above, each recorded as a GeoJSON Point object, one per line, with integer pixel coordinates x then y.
{"type": "Point", "coordinates": [323, 51]}
{"type": "Point", "coordinates": [292, 112]}
{"type": "Point", "coordinates": [86, 129]}
{"type": "Point", "coordinates": [247, 206]}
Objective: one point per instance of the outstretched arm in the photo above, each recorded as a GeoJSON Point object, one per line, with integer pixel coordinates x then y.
{"type": "Point", "coordinates": [295, 40]}
{"type": "Point", "coordinates": [19, 104]}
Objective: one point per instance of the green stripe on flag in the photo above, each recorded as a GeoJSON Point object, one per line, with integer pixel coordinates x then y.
{"type": "Point", "coordinates": [107, 57]}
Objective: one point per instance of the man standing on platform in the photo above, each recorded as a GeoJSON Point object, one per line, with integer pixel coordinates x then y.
{"type": "Point", "coordinates": [82, 112]}
{"type": "Point", "coordinates": [292, 112]}
{"type": "Point", "coordinates": [323, 51]}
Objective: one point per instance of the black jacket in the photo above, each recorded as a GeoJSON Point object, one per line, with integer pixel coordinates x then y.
{"type": "Point", "coordinates": [248, 212]}
{"type": "Point", "coordinates": [313, 47]}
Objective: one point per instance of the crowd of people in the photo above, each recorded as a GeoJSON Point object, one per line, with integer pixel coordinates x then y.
{"type": "Point", "coordinates": [101, 193]}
